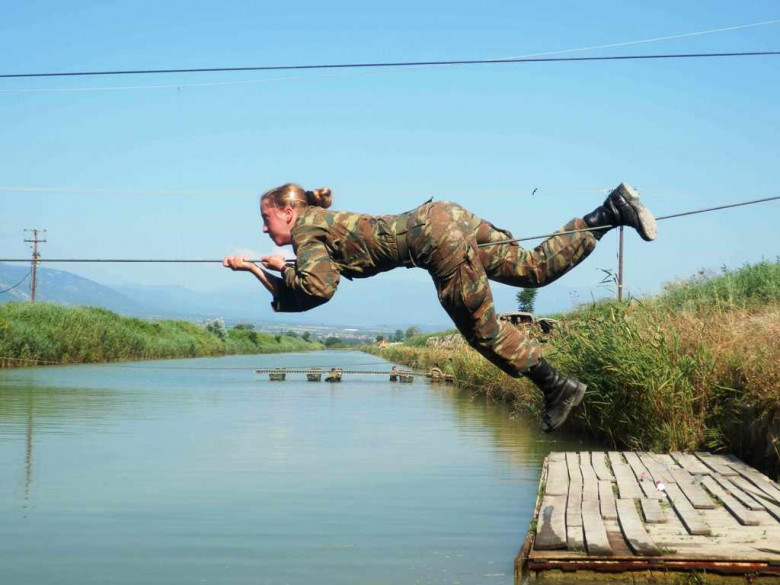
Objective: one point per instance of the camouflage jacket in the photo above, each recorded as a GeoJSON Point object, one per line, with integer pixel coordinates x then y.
{"type": "Point", "coordinates": [329, 244]}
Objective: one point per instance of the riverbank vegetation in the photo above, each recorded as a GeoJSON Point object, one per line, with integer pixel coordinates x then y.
{"type": "Point", "coordinates": [48, 333]}
{"type": "Point", "coordinates": [697, 367]}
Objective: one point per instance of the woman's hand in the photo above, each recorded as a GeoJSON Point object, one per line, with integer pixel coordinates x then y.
{"type": "Point", "coordinates": [237, 263]}
{"type": "Point", "coordinates": [273, 262]}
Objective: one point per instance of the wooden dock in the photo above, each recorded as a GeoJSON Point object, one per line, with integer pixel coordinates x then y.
{"type": "Point", "coordinates": [628, 517]}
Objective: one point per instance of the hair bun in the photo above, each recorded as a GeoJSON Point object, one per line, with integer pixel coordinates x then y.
{"type": "Point", "coordinates": [320, 197]}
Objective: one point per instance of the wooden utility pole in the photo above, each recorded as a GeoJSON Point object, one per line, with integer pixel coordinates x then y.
{"type": "Point", "coordinates": [620, 267]}
{"type": "Point", "coordinates": [34, 241]}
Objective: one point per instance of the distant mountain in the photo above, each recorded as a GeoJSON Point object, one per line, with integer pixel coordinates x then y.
{"type": "Point", "coordinates": [64, 288]}
{"type": "Point", "coordinates": [386, 301]}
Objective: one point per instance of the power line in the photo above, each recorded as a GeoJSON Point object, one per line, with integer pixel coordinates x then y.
{"type": "Point", "coordinates": [180, 86]}
{"type": "Point", "coordinates": [17, 284]}
{"type": "Point", "coordinates": [392, 64]}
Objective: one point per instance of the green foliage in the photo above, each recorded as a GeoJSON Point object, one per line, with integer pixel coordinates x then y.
{"type": "Point", "coordinates": [306, 336]}
{"type": "Point", "coordinates": [421, 339]}
{"type": "Point", "coordinates": [526, 299]}
{"type": "Point", "coordinates": [332, 341]}
{"type": "Point", "coordinates": [247, 326]}
{"type": "Point", "coordinates": [412, 331]}
{"type": "Point", "coordinates": [380, 338]}
{"type": "Point", "coordinates": [397, 336]}
{"type": "Point", "coordinates": [57, 334]}
{"type": "Point", "coordinates": [749, 286]}
{"type": "Point", "coordinates": [217, 327]}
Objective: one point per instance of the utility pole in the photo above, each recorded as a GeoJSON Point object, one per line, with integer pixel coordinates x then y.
{"type": "Point", "coordinates": [34, 241]}
{"type": "Point", "coordinates": [620, 267]}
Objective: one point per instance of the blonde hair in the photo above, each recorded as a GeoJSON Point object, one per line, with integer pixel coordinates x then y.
{"type": "Point", "coordinates": [292, 195]}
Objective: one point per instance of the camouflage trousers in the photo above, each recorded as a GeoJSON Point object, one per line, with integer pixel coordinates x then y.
{"type": "Point", "coordinates": [443, 239]}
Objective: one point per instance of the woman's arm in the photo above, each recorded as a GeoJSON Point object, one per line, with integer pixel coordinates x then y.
{"type": "Point", "coordinates": [273, 283]}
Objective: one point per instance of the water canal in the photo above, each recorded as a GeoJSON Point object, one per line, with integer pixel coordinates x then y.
{"type": "Point", "coordinates": [200, 471]}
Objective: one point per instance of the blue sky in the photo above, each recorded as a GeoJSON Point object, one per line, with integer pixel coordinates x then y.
{"type": "Point", "coordinates": [687, 133]}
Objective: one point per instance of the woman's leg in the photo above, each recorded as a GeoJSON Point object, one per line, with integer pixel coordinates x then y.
{"type": "Point", "coordinates": [465, 295]}
{"type": "Point", "coordinates": [508, 263]}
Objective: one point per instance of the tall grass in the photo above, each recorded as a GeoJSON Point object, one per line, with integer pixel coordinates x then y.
{"type": "Point", "coordinates": [31, 334]}
{"type": "Point", "coordinates": [696, 368]}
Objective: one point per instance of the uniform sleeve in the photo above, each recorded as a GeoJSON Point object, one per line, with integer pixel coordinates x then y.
{"type": "Point", "coordinates": [313, 279]}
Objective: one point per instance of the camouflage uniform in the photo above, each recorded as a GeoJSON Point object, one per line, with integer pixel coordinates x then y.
{"type": "Point", "coordinates": [442, 238]}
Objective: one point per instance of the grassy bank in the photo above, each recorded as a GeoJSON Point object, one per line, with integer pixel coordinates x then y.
{"type": "Point", "coordinates": [695, 368]}
{"type": "Point", "coordinates": [48, 333]}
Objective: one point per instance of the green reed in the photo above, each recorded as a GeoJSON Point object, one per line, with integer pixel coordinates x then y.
{"type": "Point", "coordinates": [53, 333]}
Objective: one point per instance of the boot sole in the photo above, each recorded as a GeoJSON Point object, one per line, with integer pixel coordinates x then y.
{"type": "Point", "coordinates": [647, 228]}
{"type": "Point", "coordinates": [575, 403]}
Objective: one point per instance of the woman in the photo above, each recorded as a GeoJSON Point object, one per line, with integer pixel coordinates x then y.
{"type": "Point", "coordinates": [442, 238]}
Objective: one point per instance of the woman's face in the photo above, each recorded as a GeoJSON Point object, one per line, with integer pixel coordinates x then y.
{"type": "Point", "coordinates": [277, 223]}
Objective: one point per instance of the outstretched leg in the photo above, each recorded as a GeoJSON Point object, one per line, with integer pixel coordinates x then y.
{"type": "Point", "coordinates": [510, 264]}
{"type": "Point", "coordinates": [465, 295]}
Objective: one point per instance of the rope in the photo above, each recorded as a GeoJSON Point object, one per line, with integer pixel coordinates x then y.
{"type": "Point", "coordinates": [17, 284]}
{"type": "Point", "coordinates": [601, 227]}
{"type": "Point", "coordinates": [289, 261]}
{"type": "Point", "coordinates": [292, 261]}
{"type": "Point", "coordinates": [393, 64]}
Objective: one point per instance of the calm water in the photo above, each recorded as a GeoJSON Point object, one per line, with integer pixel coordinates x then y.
{"type": "Point", "coordinates": [170, 472]}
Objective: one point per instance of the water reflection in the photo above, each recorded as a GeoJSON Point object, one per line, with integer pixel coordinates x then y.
{"type": "Point", "coordinates": [219, 476]}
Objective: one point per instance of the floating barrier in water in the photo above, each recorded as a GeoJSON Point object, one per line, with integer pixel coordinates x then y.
{"type": "Point", "coordinates": [336, 374]}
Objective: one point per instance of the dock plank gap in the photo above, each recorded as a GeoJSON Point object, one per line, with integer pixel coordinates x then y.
{"type": "Point", "coordinates": [652, 518]}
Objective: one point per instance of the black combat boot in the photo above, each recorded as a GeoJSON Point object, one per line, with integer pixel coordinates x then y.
{"type": "Point", "coordinates": [622, 207]}
{"type": "Point", "coordinates": [561, 394]}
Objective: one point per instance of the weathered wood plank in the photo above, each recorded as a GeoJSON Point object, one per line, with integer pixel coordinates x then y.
{"type": "Point", "coordinates": [730, 485]}
{"type": "Point", "coordinates": [742, 514]}
{"type": "Point", "coordinates": [574, 507]}
{"type": "Point", "coordinates": [634, 531]}
{"type": "Point", "coordinates": [664, 459]}
{"type": "Point", "coordinates": [650, 491]}
{"type": "Point", "coordinates": [692, 490]}
{"type": "Point", "coordinates": [596, 539]}
{"type": "Point", "coordinates": [557, 483]}
{"type": "Point", "coordinates": [628, 488]}
{"type": "Point", "coordinates": [692, 520]}
{"type": "Point", "coordinates": [551, 524]}
{"type": "Point", "coordinates": [590, 483]}
{"type": "Point", "coordinates": [643, 475]}
{"type": "Point", "coordinates": [756, 477]}
{"type": "Point", "coordinates": [636, 465]}
{"type": "Point", "coordinates": [575, 538]}
{"type": "Point", "coordinates": [657, 470]}
{"type": "Point", "coordinates": [557, 456]}
{"type": "Point", "coordinates": [607, 500]}
{"type": "Point", "coordinates": [573, 465]}
{"type": "Point", "coordinates": [653, 512]}
{"type": "Point", "coordinates": [715, 464]}
{"type": "Point", "coordinates": [615, 457]}
{"type": "Point", "coordinates": [752, 490]}
{"type": "Point", "coordinates": [599, 462]}
{"type": "Point", "coordinates": [690, 462]}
